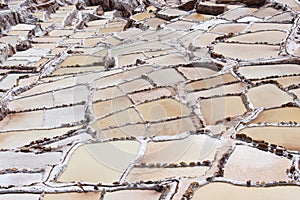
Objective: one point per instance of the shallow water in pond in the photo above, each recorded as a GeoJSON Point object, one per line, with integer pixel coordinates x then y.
{"type": "Point", "coordinates": [228, 191]}
{"type": "Point", "coordinates": [287, 137]}
{"type": "Point", "coordinates": [100, 162]}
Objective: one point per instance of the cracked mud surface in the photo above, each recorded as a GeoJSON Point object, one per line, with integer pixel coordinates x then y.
{"type": "Point", "coordinates": [149, 99]}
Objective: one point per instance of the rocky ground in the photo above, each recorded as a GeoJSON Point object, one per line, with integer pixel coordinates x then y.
{"type": "Point", "coordinates": [149, 99]}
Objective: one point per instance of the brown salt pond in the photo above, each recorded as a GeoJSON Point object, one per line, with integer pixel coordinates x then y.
{"type": "Point", "coordinates": [204, 40]}
{"type": "Point", "coordinates": [171, 127]}
{"type": "Point", "coordinates": [16, 139]}
{"type": "Point", "coordinates": [285, 114]}
{"type": "Point", "coordinates": [100, 162]}
{"type": "Point", "coordinates": [196, 17]}
{"type": "Point", "coordinates": [266, 12]}
{"type": "Point", "coordinates": [229, 28]}
{"type": "Point", "coordinates": [133, 195]}
{"type": "Point", "coordinates": [211, 82]}
{"type": "Point", "coordinates": [130, 59]}
{"type": "Point", "coordinates": [180, 25]}
{"type": "Point", "coordinates": [229, 191]}
{"type": "Point", "coordinates": [142, 16]}
{"type": "Point", "coordinates": [238, 13]}
{"type": "Point", "coordinates": [154, 174]}
{"type": "Point", "coordinates": [263, 71]}
{"type": "Point", "coordinates": [154, 22]}
{"type": "Point", "coordinates": [76, 70]}
{"type": "Point", "coordinates": [236, 88]}
{"type": "Point", "coordinates": [148, 95]}
{"type": "Point", "coordinates": [270, 37]}
{"type": "Point", "coordinates": [109, 106]}
{"type": "Point", "coordinates": [80, 60]}
{"type": "Point", "coordinates": [162, 109]}
{"type": "Point", "coordinates": [22, 121]}
{"type": "Point", "coordinates": [193, 73]}
{"type": "Point", "coordinates": [269, 26]}
{"type": "Point", "coordinates": [73, 196]}
{"type": "Point", "coordinates": [135, 130]}
{"type": "Point", "coordinates": [135, 85]}
{"type": "Point", "coordinates": [107, 93]}
{"type": "Point", "coordinates": [117, 119]}
{"type": "Point", "coordinates": [247, 51]}
{"type": "Point", "coordinates": [287, 137]}
{"type": "Point", "coordinates": [218, 108]}
{"type": "Point", "coordinates": [268, 95]}
{"type": "Point", "coordinates": [116, 79]}
{"type": "Point", "coordinates": [191, 149]}
{"type": "Point", "coordinates": [247, 163]}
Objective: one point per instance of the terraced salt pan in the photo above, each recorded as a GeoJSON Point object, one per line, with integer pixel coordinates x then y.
{"type": "Point", "coordinates": [205, 40]}
{"type": "Point", "coordinates": [135, 130]}
{"type": "Point", "coordinates": [9, 81]}
{"type": "Point", "coordinates": [247, 51]}
{"type": "Point", "coordinates": [154, 22]}
{"type": "Point", "coordinates": [109, 106]}
{"type": "Point", "coordinates": [135, 85]}
{"type": "Point", "coordinates": [142, 16]}
{"type": "Point", "coordinates": [107, 93]}
{"type": "Point", "coordinates": [154, 174]}
{"type": "Point", "coordinates": [180, 25]}
{"type": "Point", "coordinates": [160, 78]}
{"type": "Point", "coordinates": [287, 137]}
{"type": "Point", "coordinates": [67, 115]}
{"type": "Point", "coordinates": [296, 92]}
{"type": "Point", "coordinates": [130, 59]}
{"type": "Point", "coordinates": [51, 99]}
{"type": "Point", "coordinates": [266, 12]}
{"type": "Point", "coordinates": [219, 108]}
{"type": "Point", "coordinates": [276, 115]}
{"type": "Point", "coordinates": [170, 59]}
{"type": "Point", "coordinates": [79, 60]}
{"type": "Point", "coordinates": [211, 82]}
{"type": "Point", "coordinates": [100, 162]}
{"type": "Point", "coordinates": [191, 149]}
{"type": "Point", "coordinates": [229, 28]}
{"type": "Point", "coordinates": [73, 196]}
{"type": "Point", "coordinates": [22, 121]}
{"type": "Point", "coordinates": [29, 161]}
{"type": "Point", "coordinates": [238, 13]}
{"type": "Point", "coordinates": [269, 26]}
{"type": "Point", "coordinates": [196, 17]}
{"type": "Point", "coordinates": [75, 70]}
{"type": "Point", "coordinates": [121, 77]}
{"type": "Point", "coordinates": [270, 37]}
{"type": "Point", "coordinates": [226, 191]}
{"type": "Point", "coordinates": [20, 179]}
{"type": "Point", "coordinates": [156, 93]}
{"type": "Point", "coordinates": [287, 81]}
{"type": "Point", "coordinates": [117, 119]}
{"type": "Point", "coordinates": [193, 73]}
{"type": "Point", "coordinates": [236, 88]}
{"type": "Point", "coordinates": [247, 163]}
{"type": "Point", "coordinates": [284, 17]}
{"type": "Point", "coordinates": [263, 71]}
{"type": "Point", "coordinates": [20, 196]}
{"type": "Point", "coordinates": [172, 127]}
{"type": "Point", "coordinates": [272, 96]}
{"type": "Point", "coordinates": [162, 109]}
{"type": "Point", "coordinates": [133, 195]}
{"type": "Point", "coordinates": [16, 139]}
